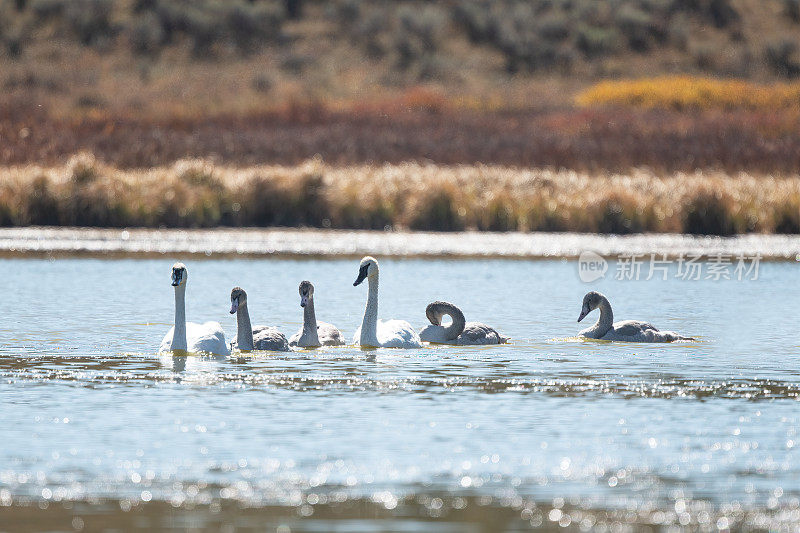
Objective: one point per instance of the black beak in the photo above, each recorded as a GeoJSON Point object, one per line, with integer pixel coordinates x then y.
{"type": "Point", "coordinates": [362, 274]}
{"type": "Point", "coordinates": [176, 280]}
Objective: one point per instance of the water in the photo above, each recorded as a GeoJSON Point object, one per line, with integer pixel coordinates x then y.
{"type": "Point", "coordinates": [98, 429]}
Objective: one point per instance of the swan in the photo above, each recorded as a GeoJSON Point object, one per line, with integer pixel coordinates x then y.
{"type": "Point", "coordinates": [189, 336]}
{"type": "Point", "coordinates": [313, 333]}
{"type": "Point", "coordinates": [249, 338]}
{"type": "Point", "coordinates": [628, 330]}
{"type": "Point", "coordinates": [380, 333]}
{"type": "Point", "coordinates": [459, 332]}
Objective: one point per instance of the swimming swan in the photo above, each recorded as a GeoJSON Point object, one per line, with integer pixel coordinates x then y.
{"type": "Point", "coordinates": [249, 338]}
{"type": "Point", "coordinates": [189, 336]}
{"type": "Point", "coordinates": [460, 332]}
{"type": "Point", "coordinates": [378, 333]}
{"type": "Point", "coordinates": [313, 333]}
{"type": "Point", "coordinates": [628, 331]}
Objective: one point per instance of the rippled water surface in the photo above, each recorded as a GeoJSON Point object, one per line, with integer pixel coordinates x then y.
{"type": "Point", "coordinates": [547, 431]}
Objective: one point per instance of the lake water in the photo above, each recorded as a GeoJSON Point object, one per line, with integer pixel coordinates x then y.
{"type": "Point", "coordinates": [97, 429]}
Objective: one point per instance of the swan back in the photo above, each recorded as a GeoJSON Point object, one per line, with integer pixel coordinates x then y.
{"type": "Point", "coordinates": [200, 338]}
{"type": "Point", "coordinates": [270, 339]}
{"type": "Point", "coordinates": [392, 334]}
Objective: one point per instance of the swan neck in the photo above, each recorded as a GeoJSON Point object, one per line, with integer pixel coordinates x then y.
{"type": "Point", "coordinates": [244, 331]}
{"type": "Point", "coordinates": [309, 336]}
{"type": "Point", "coordinates": [369, 326]}
{"type": "Point", "coordinates": [606, 319]}
{"type": "Point", "coordinates": [457, 326]}
{"type": "Point", "coordinates": [179, 333]}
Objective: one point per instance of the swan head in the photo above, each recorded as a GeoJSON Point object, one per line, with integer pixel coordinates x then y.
{"type": "Point", "coordinates": [590, 302]}
{"type": "Point", "coordinates": [179, 274]}
{"type": "Point", "coordinates": [306, 292]}
{"type": "Point", "coordinates": [367, 269]}
{"type": "Point", "coordinates": [238, 297]}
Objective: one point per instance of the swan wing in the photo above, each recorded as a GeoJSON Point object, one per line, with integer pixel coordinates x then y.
{"type": "Point", "coordinates": [294, 339]}
{"type": "Point", "coordinates": [208, 337]}
{"type": "Point", "coordinates": [397, 334]}
{"type": "Point", "coordinates": [329, 335]}
{"type": "Point", "coordinates": [270, 339]}
{"type": "Point", "coordinates": [635, 331]}
{"type": "Point", "coordinates": [477, 334]}
{"type": "Point", "coordinates": [432, 333]}
{"type": "Point", "coordinates": [630, 328]}
{"type": "Point", "coordinates": [166, 343]}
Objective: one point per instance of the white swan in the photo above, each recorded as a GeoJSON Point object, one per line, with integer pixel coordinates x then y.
{"type": "Point", "coordinates": [189, 336]}
{"type": "Point", "coordinates": [460, 332]}
{"type": "Point", "coordinates": [380, 333]}
{"type": "Point", "coordinates": [249, 338]}
{"type": "Point", "coordinates": [313, 333]}
{"type": "Point", "coordinates": [627, 331]}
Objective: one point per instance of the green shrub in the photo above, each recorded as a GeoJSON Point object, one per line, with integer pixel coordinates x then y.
{"type": "Point", "coordinates": [554, 27]}
{"type": "Point", "coordinates": [786, 216]}
{"type": "Point", "coordinates": [595, 42]}
{"type": "Point", "coordinates": [473, 18]}
{"type": "Point", "coordinates": [782, 57]}
{"type": "Point", "coordinates": [262, 82]}
{"type": "Point", "coordinates": [709, 213]}
{"type": "Point", "coordinates": [436, 212]}
{"type": "Point", "coordinates": [722, 13]}
{"type": "Point", "coordinates": [619, 213]}
{"type": "Point", "coordinates": [147, 34]}
{"type": "Point", "coordinates": [41, 206]}
{"type": "Point", "coordinates": [636, 26]}
{"type": "Point", "coordinates": [48, 9]}
{"type": "Point", "coordinates": [499, 216]}
{"type": "Point", "coordinates": [791, 9]}
{"type": "Point", "coordinates": [89, 20]}
{"type": "Point", "coordinates": [252, 24]}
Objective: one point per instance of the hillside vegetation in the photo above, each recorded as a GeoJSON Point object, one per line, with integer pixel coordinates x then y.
{"type": "Point", "coordinates": [201, 56]}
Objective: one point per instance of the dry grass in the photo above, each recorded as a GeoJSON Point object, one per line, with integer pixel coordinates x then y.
{"type": "Point", "coordinates": [197, 193]}
{"type": "Point", "coordinates": [418, 127]}
{"type": "Point", "coordinates": [686, 92]}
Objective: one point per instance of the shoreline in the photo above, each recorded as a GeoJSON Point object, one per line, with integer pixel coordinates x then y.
{"type": "Point", "coordinates": [308, 243]}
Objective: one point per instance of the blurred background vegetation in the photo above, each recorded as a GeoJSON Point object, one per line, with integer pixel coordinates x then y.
{"type": "Point", "coordinates": [229, 55]}
{"type": "Point", "coordinates": [674, 88]}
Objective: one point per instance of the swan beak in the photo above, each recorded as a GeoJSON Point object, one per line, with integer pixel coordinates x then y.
{"type": "Point", "coordinates": [303, 301]}
{"type": "Point", "coordinates": [234, 305]}
{"type": "Point", "coordinates": [362, 274]}
{"type": "Point", "coordinates": [583, 315]}
{"type": "Point", "coordinates": [176, 279]}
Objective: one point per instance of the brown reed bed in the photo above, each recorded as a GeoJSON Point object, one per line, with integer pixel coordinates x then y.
{"type": "Point", "coordinates": [198, 193]}
{"type": "Point", "coordinates": [615, 139]}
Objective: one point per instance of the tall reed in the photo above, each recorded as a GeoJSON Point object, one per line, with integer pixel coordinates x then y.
{"type": "Point", "coordinates": [198, 193]}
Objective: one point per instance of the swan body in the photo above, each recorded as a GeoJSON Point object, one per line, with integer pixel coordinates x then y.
{"type": "Point", "coordinates": [626, 331]}
{"type": "Point", "coordinates": [249, 338]}
{"type": "Point", "coordinates": [380, 333]}
{"type": "Point", "coordinates": [459, 332]}
{"type": "Point", "coordinates": [189, 336]}
{"type": "Point", "coordinates": [314, 333]}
